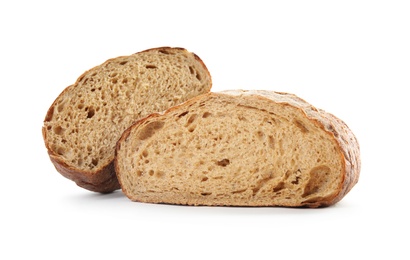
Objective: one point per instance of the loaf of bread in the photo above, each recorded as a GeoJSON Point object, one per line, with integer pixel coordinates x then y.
{"type": "Point", "coordinates": [86, 120]}
{"type": "Point", "coordinates": [239, 148]}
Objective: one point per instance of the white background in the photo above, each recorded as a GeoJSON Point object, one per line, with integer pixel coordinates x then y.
{"type": "Point", "coordinates": [351, 58]}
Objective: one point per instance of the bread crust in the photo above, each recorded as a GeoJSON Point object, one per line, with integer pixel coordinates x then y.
{"type": "Point", "coordinates": [103, 179]}
{"type": "Point", "coordinates": [348, 145]}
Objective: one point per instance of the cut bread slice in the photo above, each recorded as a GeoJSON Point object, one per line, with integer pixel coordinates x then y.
{"type": "Point", "coordinates": [86, 120]}
{"type": "Point", "coordinates": [239, 148]}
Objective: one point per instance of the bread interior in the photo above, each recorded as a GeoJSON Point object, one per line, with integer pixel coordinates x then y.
{"type": "Point", "coordinates": [87, 119]}
{"type": "Point", "coordinates": [223, 150]}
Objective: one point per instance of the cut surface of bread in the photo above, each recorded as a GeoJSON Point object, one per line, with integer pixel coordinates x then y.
{"type": "Point", "coordinates": [239, 148]}
{"type": "Point", "coordinates": [86, 120]}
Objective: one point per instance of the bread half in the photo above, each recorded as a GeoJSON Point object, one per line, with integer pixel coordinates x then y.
{"type": "Point", "coordinates": [239, 148]}
{"type": "Point", "coordinates": [86, 120]}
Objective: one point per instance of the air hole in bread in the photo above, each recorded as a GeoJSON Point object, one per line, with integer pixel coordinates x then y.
{"type": "Point", "coordinates": [260, 135]}
{"type": "Point", "coordinates": [206, 114]}
{"type": "Point", "coordinates": [239, 191]}
{"type": "Point", "coordinates": [223, 163]}
{"type": "Point", "coordinates": [164, 52]}
{"type": "Point", "coordinates": [123, 62]}
{"type": "Point", "coordinates": [58, 130]}
{"type": "Point", "coordinates": [191, 119]}
{"type": "Point", "coordinates": [94, 161]}
{"type": "Point", "coordinates": [279, 187]}
{"type": "Point", "coordinates": [149, 130]}
{"type": "Point", "coordinates": [60, 150]}
{"type": "Point", "coordinates": [183, 114]}
{"type": "Point", "coordinates": [301, 126]}
{"type": "Point", "coordinates": [150, 66]}
{"type": "Point", "coordinates": [261, 183]}
{"type": "Point", "coordinates": [198, 76]}
{"type": "Point", "coordinates": [90, 112]}
{"type": "Point", "coordinates": [296, 181]}
{"type": "Point", "coordinates": [206, 193]}
{"type": "Point", "coordinates": [60, 107]}
{"type": "Point", "coordinates": [81, 78]}
{"type": "Point", "coordinates": [318, 177]}
{"type": "Point", "coordinates": [269, 120]}
{"type": "Point", "coordinates": [195, 73]}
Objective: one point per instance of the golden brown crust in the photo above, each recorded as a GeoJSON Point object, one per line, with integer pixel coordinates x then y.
{"type": "Point", "coordinates": [104, 179]}
{"type": "Point", "coordinates": [350, 153]}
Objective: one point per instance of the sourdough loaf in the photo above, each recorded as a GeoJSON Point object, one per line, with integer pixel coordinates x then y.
{"type": "Point", "coordinates": [84, 123]}
{"type": "Point", "coordinates": [239, 148]}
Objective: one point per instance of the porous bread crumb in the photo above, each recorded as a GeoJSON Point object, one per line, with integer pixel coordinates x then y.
{"type": "Point", "coordinates": [86, 120]}
{"type": "Point", "coordinates": [233, 149]}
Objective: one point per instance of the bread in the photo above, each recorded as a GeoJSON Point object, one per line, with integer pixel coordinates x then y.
{"type": "Point", "coordinates": [239, 148]}
{"type": "Point", "coordinates": [86, 120]}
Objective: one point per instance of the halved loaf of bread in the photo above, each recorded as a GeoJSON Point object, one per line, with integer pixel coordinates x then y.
{"type": "Point", "coordinates": [239, 148]}
{"type": "Point", "coordinates": [86, 120]}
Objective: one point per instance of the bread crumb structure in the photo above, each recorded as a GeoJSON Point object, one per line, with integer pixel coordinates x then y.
{"type": "Point", "coordinates": [84, 123]}
{"type": "Point", "coordinates": [239, 148]}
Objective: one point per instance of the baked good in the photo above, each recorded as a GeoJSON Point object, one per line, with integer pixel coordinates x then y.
{"type": "Point", "coordinates": [239, 148]}
{"type": "Point", "coordinates": [84, 123]}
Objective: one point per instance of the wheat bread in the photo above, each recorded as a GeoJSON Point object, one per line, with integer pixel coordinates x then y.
{"type": "Point", "coordinates": [239, 148]}
{"type": "Point", "coordinates": [84, 123]}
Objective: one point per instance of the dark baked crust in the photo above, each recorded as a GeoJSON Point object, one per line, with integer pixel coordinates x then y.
{"type": "Point", "coordinates": [103, 181]}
